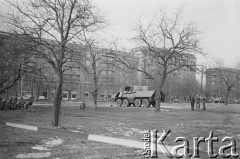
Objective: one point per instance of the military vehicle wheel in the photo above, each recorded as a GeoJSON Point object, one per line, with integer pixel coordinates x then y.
{"type": "Point", "coordinates": [146, 103]}
{"type": "Point", "coordinates": [137, 102]}
{"type": "Point", "coordinates": [125, 103]}
{"type": "Point", "coordinates": [119, 102]}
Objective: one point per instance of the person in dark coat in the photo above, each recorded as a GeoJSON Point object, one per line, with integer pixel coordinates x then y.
{"type": "Point", "coordinates": [204, 102]}
{"type": "Point", "coordinates": [198, 102]}
{"type": "Point", "coordinates": [3, 104]}
{"type": "Point", "coordinates": [192, 102]}
{"type": "Point", "coordinates": [8, 104]}
{"type": "Point", "coordinates": [21, 103]}
{"type": "Point", "coordinates": [30, 102]}
{"type": "Point", "coordinates": [17, 104]}
{"type": "Point", "coordinates": [14, 103]}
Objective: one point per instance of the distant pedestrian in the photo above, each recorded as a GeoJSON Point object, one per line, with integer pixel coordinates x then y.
{"type": "Point", "coordinates": [198, 102]}
{"type": "Point", "coordinates": [31, 99]}
{"type": "Point", "coordinates": [8, 104]}
{"type": "Point", "coordinates": [14, 102]}
{"type": "Point", "coordinates": [192, 99]}
{"type": "Point", "coordinates": [83, 105]}
{"type": "Point", "coordinates": [21, 103]}
{"type": "Point", "coordinates": [204, 102]}
{"type": "Point", "coordinates": [3, 104]}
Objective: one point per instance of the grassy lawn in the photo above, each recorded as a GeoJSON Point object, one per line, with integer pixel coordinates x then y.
{"type": "Point", "coordinates": [121, 122]}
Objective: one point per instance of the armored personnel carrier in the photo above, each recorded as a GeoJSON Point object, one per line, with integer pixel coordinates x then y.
{"type": "Point", "coordinates": [137, 96]}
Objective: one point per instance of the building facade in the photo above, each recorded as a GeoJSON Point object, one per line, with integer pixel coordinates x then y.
{"type": "Point", "coordinates": [216, 85]}
{"type": "Point", "coordinates": [77, 81]}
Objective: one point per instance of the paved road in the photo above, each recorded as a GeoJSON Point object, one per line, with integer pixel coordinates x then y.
{"type": "Point", "coordinates": [108, 104]}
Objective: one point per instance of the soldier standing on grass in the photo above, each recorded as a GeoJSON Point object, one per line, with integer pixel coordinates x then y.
{"type": "Point", "coordinates": [8, 104]}
{"type": "Point", "coordinates": [3, 104]}
{"type": "Point", "coordinates": [204, 101]}
{"type": "Point", "coordinates": [192, 102]}
{"type": "Point", "coordinates": [198, 102]}
{"type": "Point", "coordinates": [14, 102]}
{"type": "Point", "coordinates": [21, 103]}
{"type": "Point", "coordinates": [83, 105]}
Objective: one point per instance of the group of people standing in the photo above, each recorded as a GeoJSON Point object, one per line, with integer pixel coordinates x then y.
{"type": "Point", "coordinates": [198, 99]}
{"type": "Point", "coordinates": [13, 103]}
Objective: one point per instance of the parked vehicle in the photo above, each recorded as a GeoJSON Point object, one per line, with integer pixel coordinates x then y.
{"type": "Point", "coordinates": [219, 100]}
{"type": "Point", "coordinates": [236, 101]}
{"type": "Point", "coordinates": [41, 97]}
{"type": "Point", "coordinates": [27, 96]}
{"type": "Point", "coordinates": [138, 97]}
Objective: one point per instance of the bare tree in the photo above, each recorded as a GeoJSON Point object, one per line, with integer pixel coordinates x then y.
{"type": "Point", "coordinates": [14, 60]}
{"type": "Point", "coordinates": [166, 46]}
{"type": "Point", "coordinates": [51, 26]}
{"type": "Point", "coordinates": [97, 63]}
{"type": "Point", "coordinates": [229, 78]}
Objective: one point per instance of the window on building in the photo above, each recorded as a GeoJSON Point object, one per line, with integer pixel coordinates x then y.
{"type": "Point", "coordinates": [102, 96]}
{"type": "Point", "coordinates": [76, 77]}
{"type": "Point", "coordinates": [74, 95]}
{"type": "Point", "coordinates": [86, 94]}
{"type": "Point", "coordinates": [66, 77]}
{"type": "Point", "coordinates": [45, 94]}
{"type": "Point", "coordinates": [65, 95]}
{"type": "Point", "coordinates": [87, 77]}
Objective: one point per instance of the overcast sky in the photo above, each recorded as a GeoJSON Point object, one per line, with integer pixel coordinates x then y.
{"type": "Point", "coordinates": [219, 20]}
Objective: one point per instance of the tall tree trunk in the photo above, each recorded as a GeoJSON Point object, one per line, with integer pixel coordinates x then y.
{"type": "Point", "coordinates": [226, 100]}
{"type": "Point", "coordinates": [95, 101]}
{"type": "Point", "coordinates": [95, 87]}
{"type": "Point", "coordinates": [158, 94]}
{"type": "Point", "coordinates": [38, 89]}
{"type": "Point", "coordinates": [57, 102]}
{"type": "Point", "coordinates": [95, 92]}
{"type": "Point", "coordinates": [158, 100]}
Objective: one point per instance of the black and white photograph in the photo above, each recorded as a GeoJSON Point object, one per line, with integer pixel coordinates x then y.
{"type": "Point", "coordinates": [119, 79]}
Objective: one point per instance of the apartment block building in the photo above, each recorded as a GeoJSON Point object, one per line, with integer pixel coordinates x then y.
{"type": "Point", "coordinates": [216, 85]}
{"type": "Point", "coordinates": [78, 80]}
